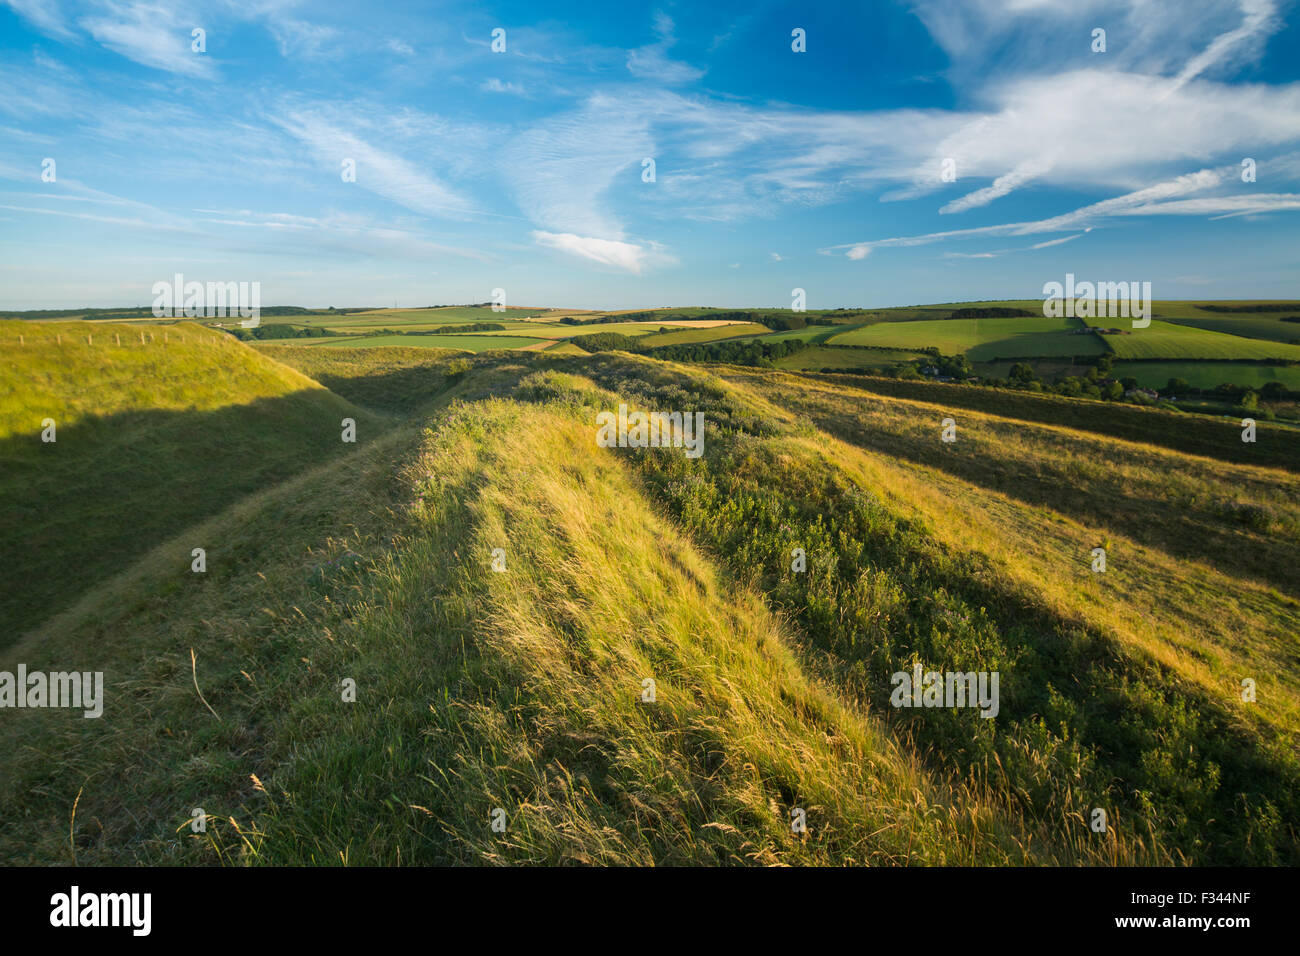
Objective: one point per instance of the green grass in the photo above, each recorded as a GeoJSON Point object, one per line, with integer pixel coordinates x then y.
{"type": "Point", "coordinates": [686, 336]}
{"type": "Point", "coordinates": [903, 574]}
{"type": "Point", "coordinates": [1207, 375]}
{"type": "Point", "coordinates": [401, 318]}
{"type": "Point", "coordinates": [151, 439]}
{"type": "Point", "coordinates": [1164, 340]}
{"type": "Point", "coordinates": [1255, 325]}
{"type": "Point", "coordinates": [982, 340]}
{"type": "Point", "coordinates": [465, 343]}
{"type": "Point", "coordinates": [391, 380]}
{"type": "Point", "coordinates": [475, 690]}
{"type": "Point", "coordinates": [521, 690]}
{"type": "Point", "coordinates": [819, 357]}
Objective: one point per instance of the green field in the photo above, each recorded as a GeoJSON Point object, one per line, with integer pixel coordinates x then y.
{"type": "Point", "coordinates": [466, 343]}
{"type": "Point", "coordinates": [691, 335]}
{"type": "Point", "coordinates": [1207, 375]}
{"type": "Point", "coordinates": [982, 340]}
{"type": "Point", "coordinates": [1164, 340]}
{"type": "Point", "coordinates": [1254, 325]}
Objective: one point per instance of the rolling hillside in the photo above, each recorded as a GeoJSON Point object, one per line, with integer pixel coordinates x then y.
{"type": "Point", "coordinates": [609, 652]}
{"type": "Point", "coordinates": [155, 429]}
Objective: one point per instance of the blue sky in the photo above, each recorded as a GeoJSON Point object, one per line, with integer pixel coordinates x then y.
{"type": "Point", "coordinates": [523, 169]}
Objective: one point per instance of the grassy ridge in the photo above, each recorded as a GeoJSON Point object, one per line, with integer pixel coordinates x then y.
{"type": "Point", "coordinates": [1191, 434]}
{"type": "Point", "coordinates": [520, 690]}
{"type": "Point", "coordinates": [150, 439]}
{"type": "Point", "coordinates": [1235, 517]}
{"type": "Point", "coordinates": [1087, 721]}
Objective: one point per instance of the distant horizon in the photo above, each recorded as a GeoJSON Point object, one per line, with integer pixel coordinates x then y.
{"type": "Point", "coordinates": [646, 308]}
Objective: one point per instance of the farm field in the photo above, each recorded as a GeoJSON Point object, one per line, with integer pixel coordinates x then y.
{"type": "Point", "coordinates": [703, 333]}
{"type": "Point", "coordinates": [980, 340]}
{"type": "Point", "coordinates": [467, 343]}
{"type": "Point", "coordinates": [1207, 375]}
{"type": "Point", "coordinates": [1164, 340]}
{"type": "Point", "coordinates": [1228, 317]}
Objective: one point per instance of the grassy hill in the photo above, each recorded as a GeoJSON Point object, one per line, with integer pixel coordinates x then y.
{"type": "Point", "coordinates": [500, 590]}
{"type": "Point", "coordinates": [156, 428]}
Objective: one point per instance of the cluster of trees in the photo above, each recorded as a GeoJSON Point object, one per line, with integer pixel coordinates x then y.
{"type": "Point", "coordinates": [606, 342]}
{"type": "Point", "coordinates": [1241, 309]}
{"type": "Point", "coordinates": [732, 352]}
{"type": "Point", "coordinates": [263, 332]}
{"type": "Point", "coordinates": [991, 312]}
{"type": "Point", "coordinates": [468, 327]}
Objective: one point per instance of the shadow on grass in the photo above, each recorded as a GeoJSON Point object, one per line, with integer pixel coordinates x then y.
{"type": "Point", "coordinates": [83, 508]}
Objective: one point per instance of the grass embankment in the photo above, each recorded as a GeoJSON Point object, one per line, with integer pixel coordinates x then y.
{"type": "Point", "coordinates": [1241, 519]}
{"type": "Point", "coordinates": [476, 690]}
{"type": "Point", "coordinates": [150, 436]}
{"type": "Point", "coordinates": [1210, 437]}
{"type": "Point", "coordinates": [522, 690]}
{"type": "Point", "coordinates": [1092, 715]}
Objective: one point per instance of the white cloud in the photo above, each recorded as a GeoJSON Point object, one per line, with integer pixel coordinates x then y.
{"type": "Point", "coordinates": [651, 62]}
{"type": "Point", "coordinates": [45, 15]}
{"type": "Point", "coordinates": [1162, 199]}
{"type": "Point", "coordinates": [381, 172]}
{"type": "Point", "coordinates": [152, 35]}
{"type": "Point", "coordinates": [1056, 242]}
{"type": "Point", "coordinates": [494, 85]}
{"type": "Point", "coordinates": [626, 256]}
{"type": "Point", "coordinates": [560, 169]}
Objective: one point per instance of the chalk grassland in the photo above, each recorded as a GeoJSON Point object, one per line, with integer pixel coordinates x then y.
{"type": "Point", "coordinates": [476, 690]}
{"type": "Point", "coordinates": [537, 336]}
{"type": "Point", "coordinates": [150, 439]}
{"type": "Point", "coordinates": [1208, 374]}
{"type": "Point", "coordinates": [1164, 340]}
{"type": "Point", "coordinates": [980, 339]}
{"type": "Point", "coordinates": [703, 328]}
{"type": "Point", "coordinates": [403, 318]}
{"type": "Point", "coordinates": [522, 690]}
{"type": "Point", "coordinates": [391, 380]}
{"type": "Point", "coordinates": [941, 574]}
{"type": "Point", "coordinates": [1192, 434]}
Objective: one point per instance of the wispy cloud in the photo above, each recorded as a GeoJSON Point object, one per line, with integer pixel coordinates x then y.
{"type": "Point", "coordinates": [651, 62]}
{"type": "Point", "coordinates": [150, 34]}
{"type": "Point", "coordinates": [394, 177]}
{"type": "Point", "coordinates": [625, 256]}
